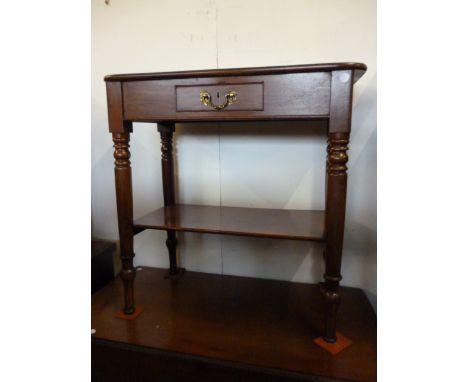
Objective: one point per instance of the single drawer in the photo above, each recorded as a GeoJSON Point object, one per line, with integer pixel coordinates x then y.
{"type": "Point", "coordinates": [282, 96]}
{"type": "Point", "coordinates": [222, 97]}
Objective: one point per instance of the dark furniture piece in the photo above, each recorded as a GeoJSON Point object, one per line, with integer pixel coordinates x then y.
{"type": "Point", "coordinates": [305, 92]}
{"type": "Point", "coordinates": [102, 263]}
{"type": "Point", "coordinates": [206, 327]}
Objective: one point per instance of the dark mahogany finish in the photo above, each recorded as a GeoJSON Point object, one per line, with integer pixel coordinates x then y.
{"type": "Point", "coordinates": [250, 96]}
{"type": "Point", "coordinates": [302, 92]}
{"type": "Point", "coordinates": [206, 327]}
{"type": "Point", "coordinates": [167, 165]}
{"type": "Point", "coordinates": [255, 222]}
{"type": "Point", "coordinates": [357, 67]}
{"type": "Point", "coordinates": [123, 190]}
{"type": "Point", "coordinates": [285, 96]}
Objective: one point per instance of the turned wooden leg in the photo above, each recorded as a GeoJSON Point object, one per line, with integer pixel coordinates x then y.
{"type": "Point", "coordinates": [166, 131]}
{"type": "Point", "coordinates": [335, 217]}
{"type": "Point", "coordinates": [123, 188]}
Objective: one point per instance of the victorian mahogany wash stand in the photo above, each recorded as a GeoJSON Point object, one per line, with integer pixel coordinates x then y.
{"type": "Point", "coordinates": [303, 92]}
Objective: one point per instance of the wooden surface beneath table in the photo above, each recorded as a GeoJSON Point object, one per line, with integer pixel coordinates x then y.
{"type": "Point", "coordinates": [263, 324]}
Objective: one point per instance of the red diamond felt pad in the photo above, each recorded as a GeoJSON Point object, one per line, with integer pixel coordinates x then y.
{"type": "Point", "coordinates": [341, 343]}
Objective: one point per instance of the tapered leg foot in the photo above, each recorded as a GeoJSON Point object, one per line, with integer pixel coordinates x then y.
{"type": "Point", "coordinates": [331, 302]}
{"type": "Point", "coordinates": [128, 277]}
{"type": "Point", "coordinates": [175, 276]}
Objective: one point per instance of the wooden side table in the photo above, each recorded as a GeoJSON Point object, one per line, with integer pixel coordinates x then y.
{"type": "Point", "coordinates": [303, 92]}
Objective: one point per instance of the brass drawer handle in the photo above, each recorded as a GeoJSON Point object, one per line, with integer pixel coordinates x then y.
{"type": "Point", "coordinates": [205, 99]}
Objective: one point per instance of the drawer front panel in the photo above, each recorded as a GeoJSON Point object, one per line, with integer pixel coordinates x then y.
{"type": "Point", "coordinates": [289, 96]}
{"type": "Point", "coordinates": [247, 97]}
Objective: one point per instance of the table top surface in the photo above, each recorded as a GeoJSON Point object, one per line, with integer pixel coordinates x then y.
{"type": "Point", "coordinates": [359, 70]}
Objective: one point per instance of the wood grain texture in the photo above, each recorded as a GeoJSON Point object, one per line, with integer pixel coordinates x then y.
{"type": "Point", "coordinates": [124, 196]}
{"type": "Point", "coordinates": [359, 68]}
{"type": "Point", "coordinates": [115, 107]}
{"type": "Point", "coordinates": [336, 185]}
{"type": "Point", "coordinates": [255, 222]}
{"type": "Point", "coordinates": [308, 92]}
{"type": "Point", "coordinates": [339, 126]}
{"type": "Point", "coordinates": [287, 96]}
{"type": "Point", "coordinates": [255, 324]}
{"type": "Point", "coordinates": [341, 102]}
